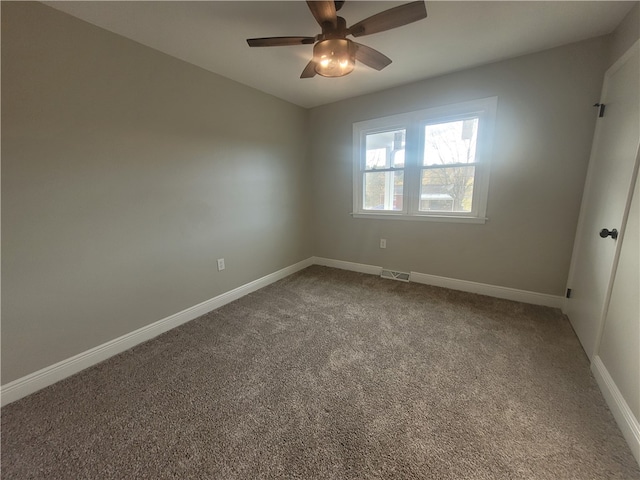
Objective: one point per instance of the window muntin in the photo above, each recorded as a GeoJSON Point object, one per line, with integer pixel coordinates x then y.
{"type": "Point", "coordinates": [427, 165]}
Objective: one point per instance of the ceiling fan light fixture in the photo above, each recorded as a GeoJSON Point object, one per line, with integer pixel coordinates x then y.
{"type": "Point", "coordinates": [334, 57]}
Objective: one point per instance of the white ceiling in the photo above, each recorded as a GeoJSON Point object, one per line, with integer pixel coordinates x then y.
{"type": "Point", "coordinates": [456, 35]}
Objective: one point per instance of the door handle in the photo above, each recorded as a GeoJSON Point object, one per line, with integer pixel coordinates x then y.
{"type": "Point", "coordinates": [604, 233]}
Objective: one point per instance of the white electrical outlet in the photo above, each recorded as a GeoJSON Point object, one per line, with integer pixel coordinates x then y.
{"type": "Point", "coordinates": [220, 264]}
{"type": "Point", "coordinates": [383, 243]}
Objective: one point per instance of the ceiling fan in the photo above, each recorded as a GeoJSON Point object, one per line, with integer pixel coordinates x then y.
{"type": "Point", "coordinates": [334, 55]}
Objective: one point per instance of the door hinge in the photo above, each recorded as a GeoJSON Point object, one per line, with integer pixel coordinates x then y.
{"type": "Point", "coordinates": [568, 293]}
{"type": "Point", "coordinates": [601, 111]}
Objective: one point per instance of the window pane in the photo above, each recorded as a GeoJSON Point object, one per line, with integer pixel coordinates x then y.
{"type": "Point", "coordinates": [447, 189]}
{"type": "Point", "coordinates": [385, 150]}
{"type": "Point", "coordinates": [450, 142]}
{"type": "Point", "coordinates": [383, 190]}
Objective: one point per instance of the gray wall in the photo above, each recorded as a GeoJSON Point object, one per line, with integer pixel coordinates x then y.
{"type": "Point", "coordinates": [625, 34]}
{"type": "Point", "coordinates": [545, 123]}
{"type": "Point", "coordinates": [125, 174]}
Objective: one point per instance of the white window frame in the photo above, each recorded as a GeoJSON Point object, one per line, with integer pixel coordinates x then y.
{"type": "Point", "coordinates": [414, 123]}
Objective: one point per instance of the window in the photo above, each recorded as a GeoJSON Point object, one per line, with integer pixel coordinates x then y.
{"type": "Point", "coordinates": [426, 165]}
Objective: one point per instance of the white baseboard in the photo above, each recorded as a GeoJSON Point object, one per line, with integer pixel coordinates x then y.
{"type": "Point", "coordinates": [342, 265]}
{"type": "Point", "coordinates": [507, 293]}
{"type": "Point", "coordinates": [625, 418]}
{"type": "Point", "coordinates": [49, 375]}
{"type": "Point", "coordinates": [54, 373]}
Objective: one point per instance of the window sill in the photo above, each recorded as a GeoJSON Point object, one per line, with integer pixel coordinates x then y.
{"type": "Point", "coordinates": [421, 218]}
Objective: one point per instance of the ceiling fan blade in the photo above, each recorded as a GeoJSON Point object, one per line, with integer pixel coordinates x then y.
{"type": "Point", "coordinates": [324, 12]}
{"type": "Point", "coordinates": [280, 41]}
{"type": "Point", "coordinates": [309, 71]}
{"type": "Point", "coordinates": [392, 18]}
{"type": "Point", "coordinates": [370, 57]}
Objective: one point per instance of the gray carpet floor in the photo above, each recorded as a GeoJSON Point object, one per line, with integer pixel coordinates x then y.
{"type": "Point", "coordinates": [331, 374]}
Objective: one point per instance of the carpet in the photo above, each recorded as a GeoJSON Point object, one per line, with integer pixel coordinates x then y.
{"type": "Point", "coordinates": [330, 374]}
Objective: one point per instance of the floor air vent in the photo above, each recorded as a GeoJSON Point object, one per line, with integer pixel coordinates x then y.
{"type": "Point", "coordinates": [393, 275]}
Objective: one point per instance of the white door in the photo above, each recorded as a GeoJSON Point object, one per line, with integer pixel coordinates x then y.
{"type": "Point", "coordinates": [606, 196]}
{"type": "Point", "coordinates": [619, 348]}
